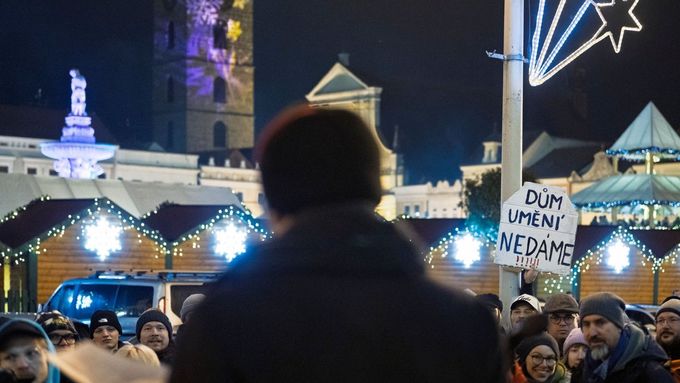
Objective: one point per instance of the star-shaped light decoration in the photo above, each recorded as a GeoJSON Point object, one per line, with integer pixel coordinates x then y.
{"type": "Point", "coordinates": [102, 237]}
{"type": "Point", "coordinates": [234, 30]}
{"type": "Point", "coordinates": [230, 242]}
{"type": "Point", "coordinates": [240, 4]}
{"type": "Point", "coordinates": [616, 31]}
{"type": "Point", "coordinates": [551, 35]}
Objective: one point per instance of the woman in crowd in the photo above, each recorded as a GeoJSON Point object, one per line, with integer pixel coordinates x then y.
{"type": "Point", "coordinates": [537, 360]}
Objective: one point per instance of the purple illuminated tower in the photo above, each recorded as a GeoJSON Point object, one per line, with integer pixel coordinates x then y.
{"type": "Point", "coordinates": [76, 154]}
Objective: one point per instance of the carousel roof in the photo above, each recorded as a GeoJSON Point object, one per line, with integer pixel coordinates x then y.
{"type": "Point", "coordinates": [630, 189]}
{"type": "Point", "coordinates": [649, 132]}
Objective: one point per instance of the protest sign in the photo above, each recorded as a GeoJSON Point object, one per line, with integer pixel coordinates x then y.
{"type": "Point", "coordinates": [537, 229]}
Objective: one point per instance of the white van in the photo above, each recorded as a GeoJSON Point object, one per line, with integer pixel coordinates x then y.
{"type": "Point", "coordinates": [128, 294]}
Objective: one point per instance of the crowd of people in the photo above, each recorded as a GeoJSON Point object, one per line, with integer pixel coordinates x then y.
{"type": "Point", "coordinates": [341, 295]}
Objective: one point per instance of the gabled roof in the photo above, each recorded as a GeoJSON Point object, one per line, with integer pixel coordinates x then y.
{"type": "Point", "coordinates": [561, 162]}
{"type": "Point", "coordinates": [137, 198]}
{"type": "Point", "coordinates": [39, 217]}
{"type": "Point", "coordinates": [174, 221]}
{"type": "Point", "coordinates": [630, 189]}
{"type": "Point", "coordinates": [648, 132]}
{"type": "Point", "coordinates": [39, 122]}
{"type": "Point", "coordinates": [339, 79]}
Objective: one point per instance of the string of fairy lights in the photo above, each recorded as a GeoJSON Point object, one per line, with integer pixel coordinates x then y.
{"type": "Point", "coordinates": [103, 223]}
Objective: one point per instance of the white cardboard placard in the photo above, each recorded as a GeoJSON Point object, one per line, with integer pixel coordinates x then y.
{"type": "Point", "coordinates": [537, 229]}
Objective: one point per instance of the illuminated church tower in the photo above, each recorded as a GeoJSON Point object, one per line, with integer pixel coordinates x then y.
{"type": "Point", "coordinates": [203, 74]}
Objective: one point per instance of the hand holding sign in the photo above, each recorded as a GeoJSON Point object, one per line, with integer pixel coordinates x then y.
{"type": "Point", "coordinates": [537, 229]}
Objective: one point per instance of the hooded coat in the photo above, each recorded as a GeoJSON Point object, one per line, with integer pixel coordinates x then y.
{"type": "Point", "coordinates": [641, 361]}
{"type": "Point", "coordinates": [340, 297]}
{"type": "Point", "coordinates": [52, 371]}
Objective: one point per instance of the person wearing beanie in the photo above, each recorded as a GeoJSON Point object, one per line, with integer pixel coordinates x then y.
{"type": "Point", "coordinates": [619, 353]}
{"type": "Point", "coordinates": [537, 359]}
{"type": "Point", "coordinates": [154, 330]}
{"type": "Point", "coordinates": [668, 332]}
{"type": "Point", "coordinates": [188, 306]}
{"type": "Point", "coordinates": [339, 294]}
{"type": "Point", "coordinates": [105, 330]}
{"type": "Point", "coordinates": [562, 310]}
{"type": "Point", "coordinates": [574, 349]}
{"type": "Point", "coordinates": [59, 329]}
{"type": "Point", "coordinates": [493, 304]}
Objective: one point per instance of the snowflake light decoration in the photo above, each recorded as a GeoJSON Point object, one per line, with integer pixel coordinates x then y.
{"type": "Point", "coordinates": [240, 4]}
{"type": "Point", "coordinates": [230, 242]}
{"type": "Point", "coordinates": [205, 12]}
{"type": "Point", "coordinates": [234, 30]}
{"type": "Point", "coordinates": [617, 255]}
{"type": "Point", "coordinates": [102, 237]}
{"type": "Point", "coordinates": [544, 51]}
{"type": "Point", "coordinates": [466, 249]}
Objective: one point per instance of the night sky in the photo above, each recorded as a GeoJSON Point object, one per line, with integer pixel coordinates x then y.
{"type": "Point", "coordinates": [438, 85]}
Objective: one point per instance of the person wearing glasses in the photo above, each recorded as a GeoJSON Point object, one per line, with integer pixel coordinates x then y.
{"type": "Point", "coordinates": [59, 329]}
{"type": "Point", "coordinates": [619, 352]}
{"type": "Point", "coordinates": [537, 360]}
{"type": "Point", "coordinates": [668, 332]}
{"type": "Point", "coordinates": [562, 312]}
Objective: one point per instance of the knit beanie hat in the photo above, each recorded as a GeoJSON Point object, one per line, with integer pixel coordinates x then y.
{"type": "Point", "coordinates": [527, 344]}
{"type": "Point", "coordinates": [54, 320]}
{"type": "Point", "coordinates": [153, 315]}
{"type": "Point", "coordinates": [574, 337]}
{"type": "Point", "coordinates": [312, 157]}
{"type": "Point", "coordinates": [670, 304]}
{"type": "Point", "coordinates": [190, 304]}
{"type": "Point", "coordinates": [608, 305]}
{"type": "Point", "coordinates": [104, 318]}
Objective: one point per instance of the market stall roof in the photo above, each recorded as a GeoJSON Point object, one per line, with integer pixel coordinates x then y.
{"type": "Point", "coordinates": [173, 221]}
{"type": "Point", "coordinates": [137, 198]}
{"type": "Point", "coordinates": [630, 189]}
{"type": "Point", "coordinates": [649, 132]}
{"type": "Point", "coordinates": [35, 220]}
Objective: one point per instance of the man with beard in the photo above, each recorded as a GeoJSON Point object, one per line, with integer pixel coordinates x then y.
{"type": "Point", "coordinates": [619, 352]}
{"type": "Point", "coordinates": [155, 331]}
{"type": "Point", "coordinates": [668, 332]}
{"type": "Point", "coordinates": [521, 308]}
{"type": "Point", "coordinates": [562, 311]}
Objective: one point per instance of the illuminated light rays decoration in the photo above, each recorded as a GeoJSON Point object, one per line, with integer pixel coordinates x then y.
{"type": "Point", "coordinates": [617, 255]}
{"type": "Point", "coordinates": [463, 245]}
{"type": "Point", "coordinates": [102, 237]}
{"type": "Point", "coordinates": [230, 241]}
{"type": "Point", "coordinates": [541, 64]}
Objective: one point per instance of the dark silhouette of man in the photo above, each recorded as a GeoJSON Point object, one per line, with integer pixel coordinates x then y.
{"type": "Point", "coordinates": [339, 295]}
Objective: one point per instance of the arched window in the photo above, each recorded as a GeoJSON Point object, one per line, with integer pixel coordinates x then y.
{"type": "Point", "coordinates": [220, 35]}
{"type": "Point", "coordinates": [171, 35]}
{"type": "Point", "coordinates": [171, 135]}
{"type": "Point", "coordinates": [171, 89]}
{"type": "Point", "coordinates": [219, 135]}
{"type": "Point", "coordinates": [220, 90]}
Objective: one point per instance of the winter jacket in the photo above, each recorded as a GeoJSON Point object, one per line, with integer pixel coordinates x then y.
{"type": "Point", "coordinates": [641, 361]}
{"type": "Point", "coordinates": [674, 367]}
{"type": "Point", "coordinates": [340, 297]}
